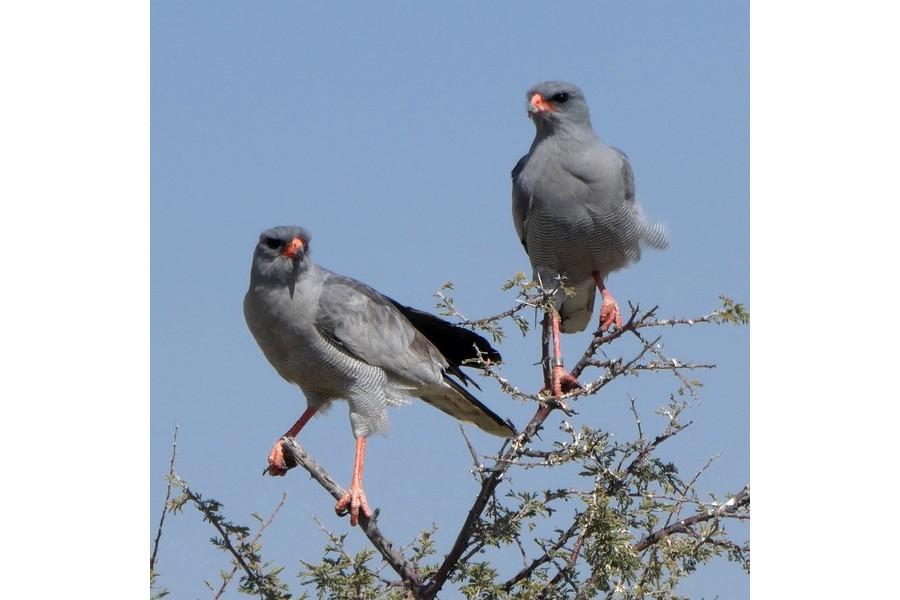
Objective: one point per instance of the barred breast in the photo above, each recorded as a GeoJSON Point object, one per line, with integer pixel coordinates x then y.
{"type": "Point", "coordinates": [576, 243]}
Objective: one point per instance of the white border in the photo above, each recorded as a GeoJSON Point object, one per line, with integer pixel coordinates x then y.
{"type": "Point", "coordinates": [74, 133]}
{"type": "Point", "coordinates": [824, 134]}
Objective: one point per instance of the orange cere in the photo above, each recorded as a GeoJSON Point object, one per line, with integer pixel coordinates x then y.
{"type": "Point", "coordinates": [542, 105]}
{"type": "Point", "coordinates": [296, 245]}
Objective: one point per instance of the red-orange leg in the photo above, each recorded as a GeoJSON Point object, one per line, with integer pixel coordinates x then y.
{"type": "Point", "coordinates": [355, 498]}
{"type": "Point", "coordinates": [556, 360]}
{"type": "Point", "coordinates": [560, 379]}
{"type": "Point", "coordinates": [277, 466]}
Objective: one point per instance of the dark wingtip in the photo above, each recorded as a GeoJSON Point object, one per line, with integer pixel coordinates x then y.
{"type": "Point", "coordinates": [485, 411]}
{"type": "Point", "coordinates": [488, 352]}
{"type": "Point", "coordinates": [457, 344]}
{"type": "Point", "coordinates": [465, 379]}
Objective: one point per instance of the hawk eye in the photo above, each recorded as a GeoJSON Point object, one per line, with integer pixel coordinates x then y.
{"type": "Point", "coordinates": [272, 243]}
{"type": "Point", "coordinates": [560, 98]}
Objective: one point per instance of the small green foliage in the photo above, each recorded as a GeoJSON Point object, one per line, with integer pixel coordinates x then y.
{"type": "Point", "coordinates": [445, 304]}
{"type": "Point", "coordinates": [258, 578]}
{"type": "Point", "coordinates": [521, 323]}
{"type": "Point", "coordinates": [607, 543]}
{"type": "Point", "coordinates": [503, 523]}
{"type": "Point", "coordinates": [731, 312]}
{"type": "Point", "coordinates": [479, 581]}
{"type": "Point", "coordinates": [340, 574]}
{"type": "Point", "coordinates": [532, 588]}
{"type": "Point", "coordinates": [519, 280]}
{"type": "Point", "coordinates": [157, 594]}
{"type": "Point", "coordinates": [423, 548]}
{"type": "Point", "coordinates": [493, 329]}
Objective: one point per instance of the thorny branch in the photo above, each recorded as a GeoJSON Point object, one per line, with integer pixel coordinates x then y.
{"type": "Point", "coordinates": [214, 519]}
{"type": "Point", "coordinates": [226, 579]}
{"type": "Point", "coordinates": [476, 323]}
{"type": "Point", "coordinates": [519, 447]}
{"type": "Point", "coordinates": [614, 368]}
{"type": "Point", "coordinates": [491, 478]}
{"type": "Point", "coordinates": [464, 547]}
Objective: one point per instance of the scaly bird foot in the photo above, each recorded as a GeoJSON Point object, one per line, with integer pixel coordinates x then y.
{"type": "Point", "coordinates": [567, 383]}
{"type": "Point", "coordinates": [277, 465]}
{"type": "Point", "coordinates": [609, 312]}
{"type": "Point", "coordinates": [354, 501]}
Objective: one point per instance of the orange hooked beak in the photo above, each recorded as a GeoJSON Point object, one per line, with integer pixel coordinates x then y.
{"type": "Point", "coordinates": [296, 246]}
{"type": "Point", "coordinates": [538, 104]}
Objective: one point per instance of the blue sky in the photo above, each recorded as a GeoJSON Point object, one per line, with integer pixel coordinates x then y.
{"type": "Point", "coordinates": [390, 134]}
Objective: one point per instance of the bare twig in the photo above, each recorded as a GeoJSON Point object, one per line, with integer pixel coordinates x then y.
{"type": "Point", "coordinates": [521, 304]}
{"type": "Point", "coordinates": [508, 388]}
{"type": "Point", "coordinates": [690, 486]}
{"type": "Point", "coordinates": [611, 374]}
{"type": "Point", "coordinates": [162, 517]}
{"type": "Point", "coordinates": [599, 338]}
{"type": "Point", "coordinates": [710, 318]}
{"type": "Point", "coordinates": [637, 419]}
{"type": "Point", "coordinates": [404, 569]}
{"type": "Point", "coordinates": [479, 468]}
{"type": "Point", "coordinates": [675, 368]}
{"type": "Point", "coordinates": [654, 365]}
{"type": "Point", "coordinates": [633, 324]}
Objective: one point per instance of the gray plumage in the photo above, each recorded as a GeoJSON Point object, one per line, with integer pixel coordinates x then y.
{"type": "Point", "coordinates": [574, 205]}
{"type": "Point", "coordinates": [337, 338]}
